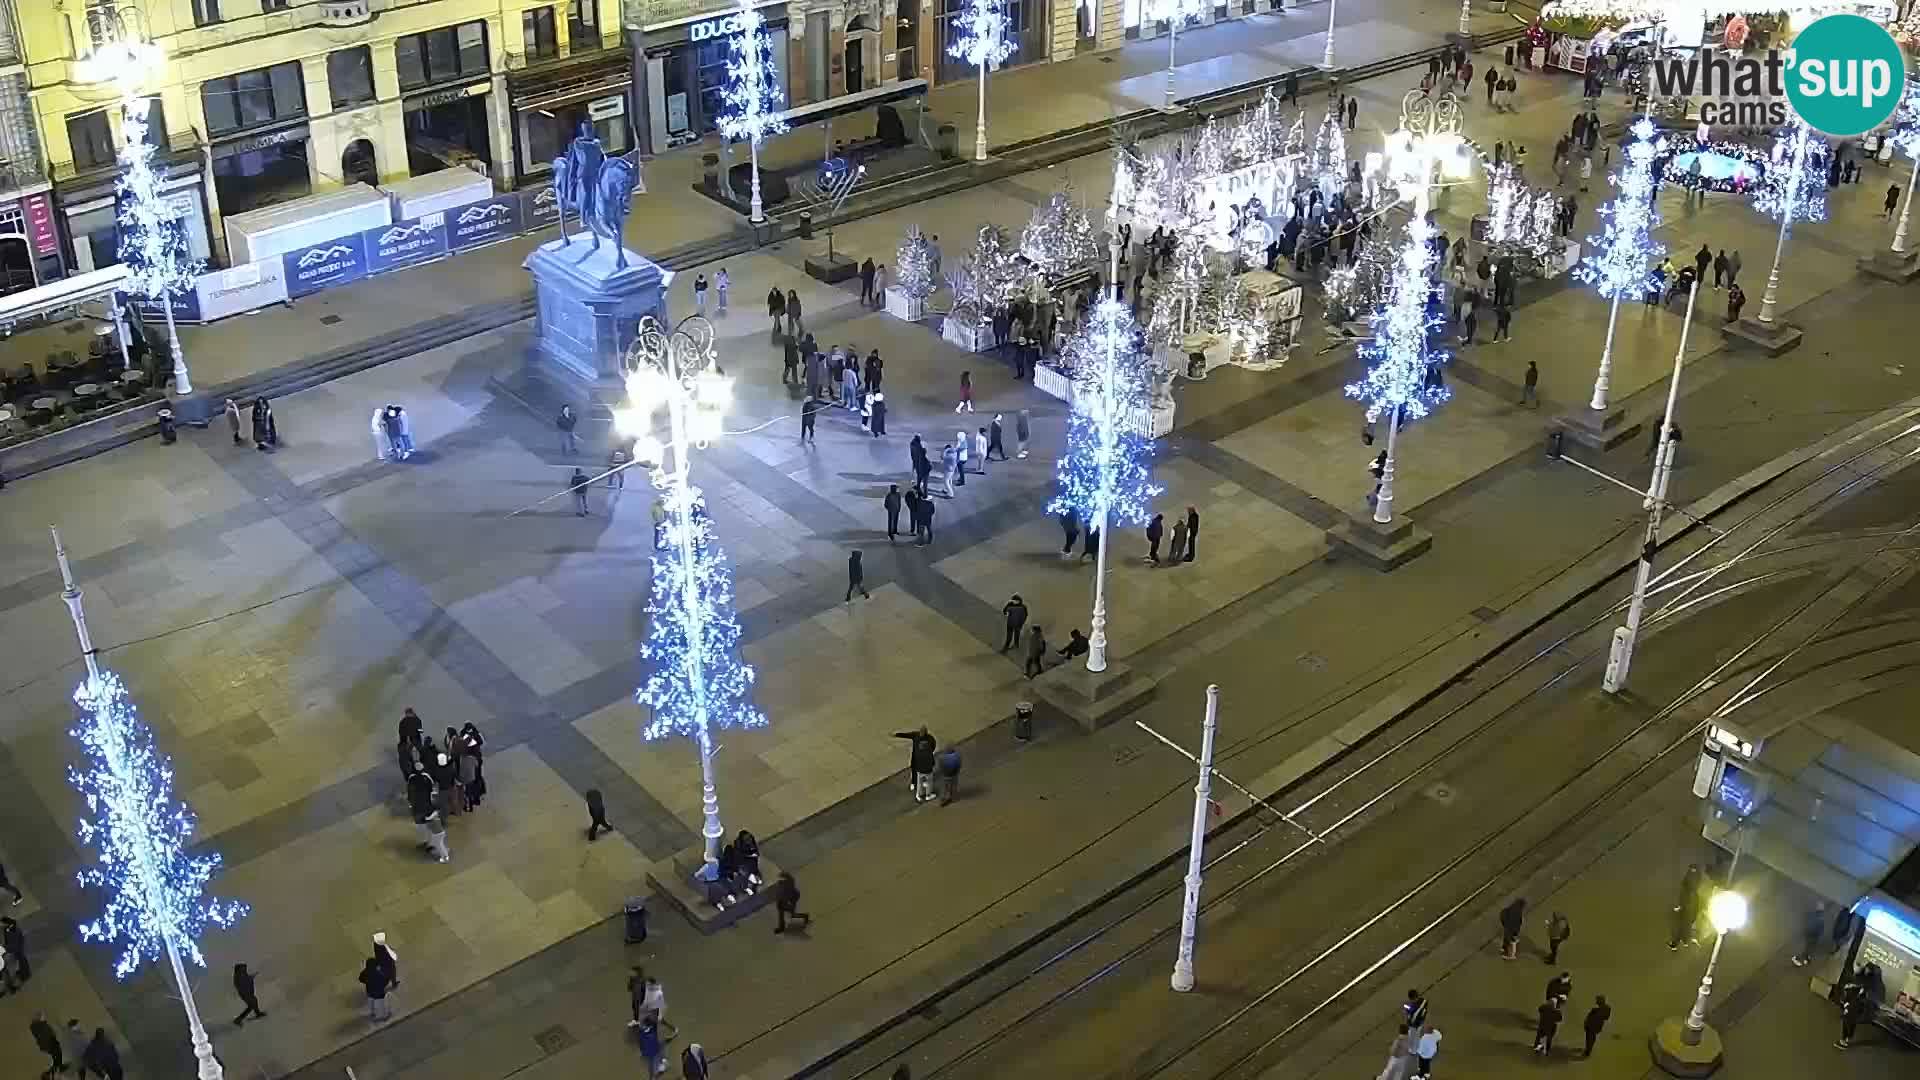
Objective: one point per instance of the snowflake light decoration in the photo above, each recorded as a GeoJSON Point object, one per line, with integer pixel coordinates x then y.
{"type": "Point", "coordinates": [752, 100]}
{"type": "Point", "coordinates": [1905, 132]}
{"type": "Point", "coordinates": [1625, 251]}
{"type": "Point", "coordinates": [1105, 470]}
{"type": "Point", "coordinates": [1399, 354]}
{"type": "Point", "coordinates": [697, 683]}
{"type": "Point", "coordinates": [140, 833]}
{"type": "Point", "coordinates": [1059, 238]}
{"type": "Point", "coordinates": [1795, 185]}
{"type": "Point", "coordinates": [980, 34]}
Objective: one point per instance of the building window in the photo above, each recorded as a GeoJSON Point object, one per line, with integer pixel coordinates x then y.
{"type": "Point", "coordinates": [275, 5]}
{"type": "Point", "coordinates": [537, 26]}
{"type": "Point", "coordinates": [156, 124]}
{"type": "Point", "coordinates": [92, 138]}
{"type": "Point", "coordinates": [350, 76]}
{"type": "Point", "coordinates": [206, 12]}
{"type": "Point", "coordinates": [583, 24]}
{"type": "Point", "coordinates": [253, 98]}
{"type": "Point", "coordinates": [453, 52]}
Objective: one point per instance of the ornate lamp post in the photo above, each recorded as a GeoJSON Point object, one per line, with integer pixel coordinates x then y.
{"type": "Point", "coordinates": [1326, 59]}
{"type": "Point", "coordinates": [1727, 911]}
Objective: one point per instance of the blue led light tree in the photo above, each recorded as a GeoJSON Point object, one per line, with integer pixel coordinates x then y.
{"type": "Point", "coordinates": [1625, 251]}
{"type": "Point", "coordinates": [980, 38]}
{"type": "Point", "coordinates": [1104, 476]}
{"type": "Point", "coordinates": [697, 683]}
{"type": "Point", "coordinates": [156, 893]}
{"type": "Point", "coordinates": [752, 101]}
{"type": "Point", "coordinates": [1794, 187]}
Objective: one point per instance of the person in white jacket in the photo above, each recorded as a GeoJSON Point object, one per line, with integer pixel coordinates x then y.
{"type": "Point", "coordinates": [381, 446]}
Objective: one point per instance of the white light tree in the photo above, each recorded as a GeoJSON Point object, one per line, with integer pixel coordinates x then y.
{"type": "Point", "coordinates": [1399, 356]}
{"type": "Point", "coordinates": [1104, 477]}
{"type": "Point", "coordinates": [1794, 188]}
{"type": "Point", "coordinates": [1059, 237]}
{"type": "Point", "coordinates": [153, 246]}
{"type": "Point", "coordinates": [1906, 140]}
{"type": "Point", "coordinates": [1625, 251]}
{"type": "Point", "coordinates": [752, 102]}
{"type": "Point", "coordinates": [1328, 165]}
{"type": "Point", "coordinates": [980, 38]}
{"type": "Point", "coordinates": [156, 903]}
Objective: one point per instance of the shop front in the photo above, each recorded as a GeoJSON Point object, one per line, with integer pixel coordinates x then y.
{"type": "Point", "coordinates": [686, 72]}
{"type": "Point", "coordinates": [262, 168]}
{"type": "Point", "coordinates": [447, 127]}
{"type": "Point", "coordinates": [1026, 32]}
{"type": "Point", "coordinates": [550, 104]}
{"type": "Point", "coordinates": [29, 243]}
{"type": "Point", "coordinates": [87, 205]}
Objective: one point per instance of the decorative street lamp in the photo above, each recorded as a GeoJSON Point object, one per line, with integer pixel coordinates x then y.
{"type": "Point", "coordinates": [1794, 186]}
{"type": "Point", "coordinates": [1727, 911]}
{"type": "Point", "coordinates": [1427, 142]}
{"type": "Point", "coordinates": [697, 684]}
{"type": "Point", "coordinates": [981, 40]}
{"type": "Point", "coordinates": [1626, 251]}
{"type": "Point", "coordinates": [1906, 139]}
{"type": "Point", "coordinates": [752, 101]}
{"type": "Point", "coordinates": [156, 903]}
{"type": "Point", "coordinates": [1326, 59]}
{"type": "Point", "coordinates": [1176, 12]}
{"type": "Point", "coordinates": [151, 243]}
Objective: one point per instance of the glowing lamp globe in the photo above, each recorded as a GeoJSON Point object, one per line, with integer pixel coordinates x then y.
{"type": "Point", "coordinates": [648, 449]}
{"type": "Point", "coordinates": [1727, 911]}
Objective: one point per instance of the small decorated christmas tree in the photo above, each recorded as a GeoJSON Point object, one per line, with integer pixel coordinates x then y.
{"type": "Point", "coordinates": [913, 266]}
{"type": "Point", "coordinates": [1059, 239]}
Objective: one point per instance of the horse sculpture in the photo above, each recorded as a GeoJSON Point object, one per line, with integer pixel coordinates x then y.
{"type": "Point", "coordinates": [562, 176]}
{"type": "Point", "coordinates": [612, 201]}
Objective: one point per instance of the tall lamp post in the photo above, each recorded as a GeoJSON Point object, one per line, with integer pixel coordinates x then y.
{"type": "Point", "coordinates": [698, 685]}
{"type": "Point", "coordinates": [1427, 142]}
{"type": "Point", "coordinates": [121, 55]}
{"type": "Point", "coordinates": [156, 904]}
{"type": "Point", "coordinates": [1727, 911]}
{"type": "Point", "coordinates": [1326, 58]}
{"type": "Point", "coordinates": [1801, 193]}
{"type": "Point", "coordinates": [1176, 13]}
{"type": "Point", "coordinates": [1196, 848]}
{"type": "Point", "coordinates": [981, 40]}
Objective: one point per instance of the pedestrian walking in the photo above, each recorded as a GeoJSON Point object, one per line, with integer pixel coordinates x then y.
{"type": "Point", "coordinates": [1155, 530]}
{"type": "Point", "coordinates": [1036, 652]}
{"type": "Point", "coordinates": [966, 393]}
{"type": "Point", "coordinates": [375, 982]}
{"type": "Point", "coordinates": [1178, 544]}
{"type": "Point", "coordinates": [1021, 431]}
{"type": "Point", "coordinates": [1400, 1057]}
{"type": "Point", "coordinates": [786, 903]}
{"type": "Point", "coordinates": [980, 450]}
{"type": "Point", "coordinates": [1558, 931]}
{"type": "Point", "coordinates": [1512, 919]}
{"type": "Point", "coordinates": [919, 761]}
{"type": "Point", "coordinates": [1893, 200]}
{"type": "Point", "coordinates": [1413, 1011]}
{"type": "Point", "coordinates": [693, 1063]}
{"type": "Point", "coordinates": [7, 883]}
{"type": "Point", "coordinates": [994, 434]}
{"type": "Point", "coordinates": [1733, 266]}
{"type": "Point", "coordinates": [1091, 549]}
{"type": "Point", "coordinates": [856, 577]}
{"type": "Point", "coordinates": [1560, 986]}
{"type": "Point", "coordinates": [73, 1040]}
{"type": "Point", "coordinates": [720, 284]}
{"type": "Point", "coordinates": [653, 1004]}
{"type": "Point", "coordinates": [700, 293]}
{"type": "Point", "coordinates": [1720, 269]}
{"type": "Point", "coordinates": [1426, 1049]}
{"type": "Point", "coordinates": [877, 422]}
{"type": "Point", "coordinates": [233, 420]}
{"type": "Point", "coordinates": [809, 410]}
{"type": "Point", "coordinates": [1813, 930]}
{"type": "Point", "coordinates": [793, 313]}
{"type": "Point", "coordinates": [949, 765]}
{"type": "Point", "coordinates": [1193, 534]}
{"type": "Point", "coordinates": [776, 307]}
{"type": "Point", "coordinates": [578, 484]}
{"type": "Point", "coordinates": [1015, 611]}
{"type": "Point", "coordinates": [49, 1044]}
{"type": "Point", "coordinates": [102, 1057]}
{"type": "Point", "coordinates": [1701, 260]}
{"type": "Point", "coordinates": [1595, 1023]}
{"type": "Point", "coordinates": [650, 1046]}
{"type": "Point", "coordinates": [923, 520]}
{"type": "Point", "coordinates": [867, 271]}
{"type": "Point", "coordinates": [1686, 907]}
{"type": "Point", "coordinates": [1544, 1028]}
{"type": "Point", "coordinates": [1502, 323]}
{"type": "Point", "coordinates": [950, 470]}
{"type": "Point", "coordinates": [15, 941]}
{"type": "Point", "coordinates": [597, 822]}
{"type": "Point", "coordinates": [1736, 299]}
{"type": "Point", "coordinates": [892, 504]}
{"type": "Point", "coordinates": [922, 465]}
{"type": "Point", "coordinates": [564, 423]}
{"type": "Point", "coordinates": [266, 430]}
{"type": "Point", "coordinates": [1854, 1004]}
{"type": "Point", "coordinates": [1292, 93]}
{"type": "Point", "coordinates": [243, 987]}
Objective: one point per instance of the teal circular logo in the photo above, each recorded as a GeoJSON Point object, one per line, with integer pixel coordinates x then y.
{"type": "Point", "coordinates": [1845, 75]}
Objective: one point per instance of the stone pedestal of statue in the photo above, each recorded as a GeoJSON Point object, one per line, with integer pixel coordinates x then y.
{"type": "Point", "coordinates": [588, 309]}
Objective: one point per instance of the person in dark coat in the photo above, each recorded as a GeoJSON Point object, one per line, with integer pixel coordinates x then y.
{"type": "Point", "coordinates": [15, 941]}
{"type": "Point", "coordinates": [1036, 652]}
{"type": "Point", "coordinates": [48, 1041]}
{"type": "Point", "coordinates": [596, 815]}
{"type": "Point", "coordinates": [1548, 1023]}
{"type": "Point", "coordinates": [892, 504]}
{"type": "Point", "coordinates": [1560, 986]}
{"type": "Point", "coordinates": [793, 312]}
{"type": "Point", "coordinates": [388, 960]}
{"type": "Point", "coordinates": [920, 761]}
{"type": "Point", "coordinates": [102, 1056]}
{"type": "Point", "coordinates": [7, 884]}
{"type": "Point", "coordinates": [375, 983]}
{"type": "Point", "coordinates": [243, 986]}
{"type": "Point", "coordinates": [1193, 534]}
{"type": "Point", "coordinates": [856, 577]}
{"type": "Point", "coordinates": [789, 361]}
{"type": "Point", "coordinates": [994, 435]}
{"type": "Point", "coordinates": [265, 432]}
{"type": "Point", "coordinates": [866, 282]}
{"type": "Point", "coordinates": [1512, 919]}
{"type": "Point", "coordinates": [1069, 525]}
{"type": "Point", "coordinates": [809, 411]}
{"type": "Point", "coordinates": [1016, 612]}
{"type": "Point", "coordinates": [877, 421]}
{"type": "Point", "coordinates": [693, 1063]}
{"type": "Point", "coordinates": [922, 464]}
{"type": "Point", "coordinates": [1155, 530]}
{"type": "Point", "coordinates": [786, 903]}
{"type": "Point", "coordinates": [411, 727]}
{"type": "Point", "coordinates": [1077, 645]}
{"type": "Point", "coordinates": [1595, 1023]}
{"type": "Point", "coordinates": [74, 1041]}
{"type": "Point", "coordinates": [875, 369]}
{"type": "Point", "coordinates": [1686, 907]}
{"type": "Point", "coordinates": [921, 509]}
{"type": "Point", "coordinates": [776, 306]}
{"type": "Point", "coordinates": [1558, 931]}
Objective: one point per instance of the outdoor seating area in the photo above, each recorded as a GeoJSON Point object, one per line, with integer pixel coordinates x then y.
{"type": "Point", "coordinates": [59, 388]}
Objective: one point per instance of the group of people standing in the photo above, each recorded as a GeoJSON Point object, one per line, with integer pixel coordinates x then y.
{"type": "Point", "coordinates": [263, 427]}
{"type": "Point", "coordinates": [442, 781]}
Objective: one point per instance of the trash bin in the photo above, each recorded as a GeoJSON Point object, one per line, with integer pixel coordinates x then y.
{"type": "Point", "coordinates": [1023, 720]}
{"type": "Point", "coordinates": [168, 434]}
{"type": "Point", "coordinates": [636, 919]}
{"type": "Point", "coordinates": [806, 224]}
{"type": "Point", "coordinates": [710, 171]}
{"type": "Point", "coordinates": [946, 142]}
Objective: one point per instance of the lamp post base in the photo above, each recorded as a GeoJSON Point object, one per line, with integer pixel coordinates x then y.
{"type": "Point", "coordinates": [1888, 266]}
{"type": "Point", "coordinates": [1597, 429]}
{"type": "Point", "coordinates": [1773, 338]}
{"type": "Point", "coordinates": [1382, 546]}
{"type": "Point", "coordinates": [1675, 1056]}
{"type": "Point", "coordinates": [704, 903]}
{"type": "Point", "coordinates": [1094, 699]}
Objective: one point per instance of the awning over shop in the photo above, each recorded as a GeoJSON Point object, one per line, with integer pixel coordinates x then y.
{"type": "Point", "coordinates": [848, 104]}
{"type": "Point", "coordinates": [1825, 802]}
{"type": "Point", "coordinates": [59, 297]}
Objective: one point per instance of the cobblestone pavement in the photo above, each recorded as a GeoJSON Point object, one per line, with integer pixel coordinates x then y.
{"type": "Point", "coordinates": [274, 613]}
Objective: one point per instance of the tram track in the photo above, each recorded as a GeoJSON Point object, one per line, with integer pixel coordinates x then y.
{"type": "Point", "coordinates": [964, 1026]}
